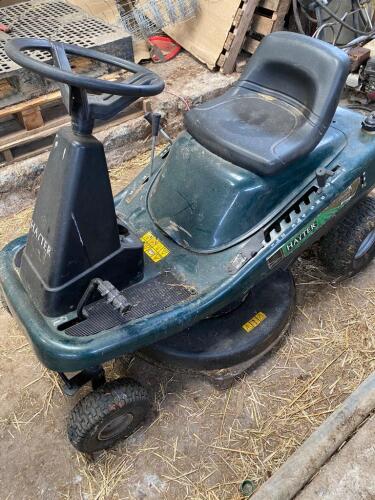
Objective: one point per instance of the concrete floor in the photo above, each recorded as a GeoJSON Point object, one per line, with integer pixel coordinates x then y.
{"type": "Point", "coordinates": [350, 474]}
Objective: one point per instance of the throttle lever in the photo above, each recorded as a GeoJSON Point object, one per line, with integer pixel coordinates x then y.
{"type": "Point", "coordinates": [155, 125]}
{"type": "Point", "coordinates": [148, 117]}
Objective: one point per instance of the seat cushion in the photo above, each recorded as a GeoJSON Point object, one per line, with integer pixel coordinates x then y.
{"type": "Point", "coordinates": [279, 109]}
{"type": "Point", "coordinates": [256, 131]}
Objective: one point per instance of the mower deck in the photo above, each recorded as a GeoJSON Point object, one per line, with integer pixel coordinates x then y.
{"type": "Point", "coordinates": [222, 347]}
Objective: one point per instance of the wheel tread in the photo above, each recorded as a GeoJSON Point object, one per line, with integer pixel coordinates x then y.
{"type": "Point", "coordinates": [93, 408]}
{"type": "Point", "coordinates": [338, 248]}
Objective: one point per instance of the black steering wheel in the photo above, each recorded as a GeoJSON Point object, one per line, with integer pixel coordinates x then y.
{"type": "Point", "coordinates": [144, 83]}
{"type": "Point", "coordinates": [85, 109]}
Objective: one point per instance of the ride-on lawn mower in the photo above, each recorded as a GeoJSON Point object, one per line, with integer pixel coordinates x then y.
{"type": "Point", "coordinates": [189, 263]}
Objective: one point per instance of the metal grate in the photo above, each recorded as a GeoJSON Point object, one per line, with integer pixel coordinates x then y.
{"type": "Point", "coordinates": [51, 19]}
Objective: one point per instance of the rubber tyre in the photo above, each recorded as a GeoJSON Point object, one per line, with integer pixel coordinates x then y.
{"type": "Point", "coordinates": [339, 248]}
{"type": "Point", "coordinates": [119, 406]}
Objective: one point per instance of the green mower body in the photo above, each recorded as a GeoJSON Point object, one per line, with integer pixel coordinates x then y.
{"type": "Point", "coordinates": [219, 232]}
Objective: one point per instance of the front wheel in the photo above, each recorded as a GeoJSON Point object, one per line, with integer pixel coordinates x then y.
{"type": "Point", "coordinates": [350, 246]}
{"type": "Point", "coordinates": [107, 415]}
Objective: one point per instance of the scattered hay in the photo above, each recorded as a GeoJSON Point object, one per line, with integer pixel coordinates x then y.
{"type": "Point", "coordinates": [203, 443]}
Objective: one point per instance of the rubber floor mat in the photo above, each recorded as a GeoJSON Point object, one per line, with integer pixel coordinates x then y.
{"type": "Point", "coordinates": [146, 298]}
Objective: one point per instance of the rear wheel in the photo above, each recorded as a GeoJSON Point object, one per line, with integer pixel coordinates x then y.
{"type": "Point", "coordinates": [107, 415]}
{"type": "Point", "coordinates": [350, 246]}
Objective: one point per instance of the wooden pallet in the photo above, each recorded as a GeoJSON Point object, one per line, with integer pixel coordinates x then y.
{"type": "Point", "coordinates": [253, 20]}
{"type": "Point", "coordinates": [271, 18]}
{"type": "Point", "coordinates": [10, 86]}
{"type": "Point", "coordinates": [28, 128]}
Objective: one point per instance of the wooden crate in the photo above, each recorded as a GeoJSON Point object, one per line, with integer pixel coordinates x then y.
{"type": "Point", "coordinates": [205, 35]}
{"type": "Point", "coordinates": [221, 28]}
{"type": "Point", "coordinates": [236, 36]}
{"type": "Point", "coordinates": [28, 128]}
{"type": "Point", "coordinates": [254, 19]}
{"type": "Point", "coordinates": [269, 18]}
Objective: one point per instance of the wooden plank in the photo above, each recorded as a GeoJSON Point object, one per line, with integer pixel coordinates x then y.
{"type": "Point", "coordinates": [270, 4]}
{"type": "Point", "coordinates": [31, 118]}
{"type": "Point", "coordinates": [43, 149]}
{"type": "Point", "coordinates": [251, 45]}
{"type": "Point", "coordinates": [263, 25]}
{"type": "Point", "coordinates": [7, 155]}
{"type": "Point", "coordinates": [45, 99]}
{"type": "Point", "coordinates": [23, 137]}
{"type": "Point", "coordinates": [23, 106]}
{"type": "Point", "coordinates": [205, 35]}
{"type": "Point", "coordinates": [240, 32]}
{"type": "Point", "coordinates": [282, 11]}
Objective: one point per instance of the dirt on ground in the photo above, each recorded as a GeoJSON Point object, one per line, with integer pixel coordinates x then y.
{"type": "Point", "coordinates": [200, 443]}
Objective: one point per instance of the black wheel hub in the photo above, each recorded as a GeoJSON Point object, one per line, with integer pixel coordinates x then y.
{"type": "Point", "coordinates": [115, 426]}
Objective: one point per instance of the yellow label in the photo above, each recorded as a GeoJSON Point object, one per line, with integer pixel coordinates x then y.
{"type": "Point", "coordinates": [254, 322]}
{"type": "Point", "coordinates": [153, 247]}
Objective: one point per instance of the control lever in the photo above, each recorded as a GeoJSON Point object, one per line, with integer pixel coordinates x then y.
{"type": "Point", "coordinates": [148, 117]}
{"type": "Point", "coordinates": [322, 176]}
{"type": "Point", "coordinates": [155, 126]}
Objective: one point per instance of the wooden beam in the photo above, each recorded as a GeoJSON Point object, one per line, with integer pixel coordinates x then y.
{"type": "Point", "coordinates": [44, 99]}
{"type": "Point", "coordinates": [263, 25]}
{"type": "Point", "coordinates": [270, 4]}
{"type": "Point", "coordinates": [282, 11]}
{"type": "Point", "coordinates": [251, 45]}
{"type": "Point", "coordinates": [239, 36]}
{"type": "Point", "coordinates": [31, 118]}
{"type": "Point", "coordinates": [23, 137]}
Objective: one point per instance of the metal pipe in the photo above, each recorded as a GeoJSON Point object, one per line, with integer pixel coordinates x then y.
{"type": "Point", "coordinates": [321, 445]}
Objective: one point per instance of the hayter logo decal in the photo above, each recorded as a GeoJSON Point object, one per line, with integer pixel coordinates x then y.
{"type": "Point", "coordinates": [40, 239]}
{"type": "Point", "coordinates": [321, 219]}
{"type": "Point", "coordinates": [298, 240]}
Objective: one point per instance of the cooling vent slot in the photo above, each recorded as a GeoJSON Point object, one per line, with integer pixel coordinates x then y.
{"type": "Point", "coordinates": [289, 216]}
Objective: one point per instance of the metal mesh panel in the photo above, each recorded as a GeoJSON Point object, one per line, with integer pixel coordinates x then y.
{"type": "Point", "coordinates": [55, 20]}
{"type": "Point", "coordinates": [143, 18]}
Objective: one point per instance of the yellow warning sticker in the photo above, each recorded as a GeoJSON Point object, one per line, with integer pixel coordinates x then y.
{"type": "Point", "coordinates": [153, 247]}
{"type": "Point", "coordinates": [254, 322]}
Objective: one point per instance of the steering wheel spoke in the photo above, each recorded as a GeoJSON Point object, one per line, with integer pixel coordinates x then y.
{"type": "Point", "coordinates": [59, 56]}
{"type": "Point", "coordinates": [74, 87]}
{"type": "Point", "coordinates": [61, 61]}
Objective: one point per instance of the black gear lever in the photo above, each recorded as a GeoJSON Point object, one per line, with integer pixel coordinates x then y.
{"type": "Point", "coordinates": [148, 117]}
{"type": "Point", "coordinates": [155, 126]}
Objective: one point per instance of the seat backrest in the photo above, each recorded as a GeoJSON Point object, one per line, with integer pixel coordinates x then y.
{"type": "Point", "coordinates": [299, 68]}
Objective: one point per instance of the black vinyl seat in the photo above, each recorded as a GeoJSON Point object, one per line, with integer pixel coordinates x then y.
{"type": "Point", "coordinates": [279, 109]}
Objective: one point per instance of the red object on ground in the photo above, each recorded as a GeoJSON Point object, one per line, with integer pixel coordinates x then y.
{"type": "Point", "coordinates": [5, 28]}
{"type": "Point", "coordinates": [163, 48]}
